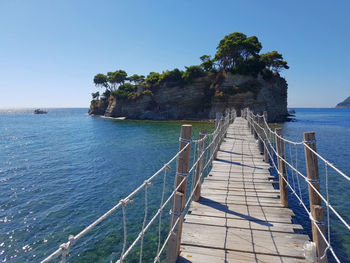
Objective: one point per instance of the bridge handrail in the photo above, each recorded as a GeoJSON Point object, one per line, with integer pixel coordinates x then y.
{"type": "Point", "coordinates": [262, 133]}
{"type": "Point", "coordinates": [216, 137]}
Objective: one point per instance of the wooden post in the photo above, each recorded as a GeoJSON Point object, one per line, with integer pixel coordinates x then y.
{"type": "Point", "coordinates": [217, 123]}
{"type": "Point", "coordinates": [315, 200]}
{"type": "Point", "coordinates": [251, 124]}
{"type": "Point", "coordinates": [266, 151]}
{"type": "Point", "coordinates": [197, 190]}
{"type": "Point", "coordinates": [282, 169]}
{"type": "Point", "coordinates": [317, 214]}
{"type": "Point", "coordinates": [266, 144]}
{"type": "Point", "coordinates": [180, 196]}
{"type": "Point", "coordinates": [254, 130]}
{"type": "Point", "coordinates": [261, 144]}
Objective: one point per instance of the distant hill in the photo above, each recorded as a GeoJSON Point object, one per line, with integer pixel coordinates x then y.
{"type": "Point", "coordinates": [344, 104]}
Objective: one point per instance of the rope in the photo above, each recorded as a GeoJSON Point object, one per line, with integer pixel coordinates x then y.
{"type": "Point", "coordinates": [161, 203]}
{"type": "Point", "coordinates": [148, 184]}
{"type": "Point", "coordinates": [309, 182]}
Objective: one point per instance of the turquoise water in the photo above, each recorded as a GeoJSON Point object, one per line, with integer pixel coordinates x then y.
{"type": "Point", "coordinates": [60, 171]}
{"type": "Point", "coordinates": [332, 128]}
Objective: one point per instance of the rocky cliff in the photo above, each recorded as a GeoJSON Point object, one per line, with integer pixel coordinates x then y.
{"type": "Point", "coordinates": [201, 99]}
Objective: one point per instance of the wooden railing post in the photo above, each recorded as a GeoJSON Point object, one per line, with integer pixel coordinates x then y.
{"type": "Point", "coordinates": [282, 169]}
{"type": "Point", "coordinates": [249, 126]}
{"type": "Point", "coordinates": [217, 124]}
{"type": "Point", "coordinates": [201, 145]}
{"type": "Point", "coordinates": [317, 214]}
{"type": "Point", "coordinates": [261, 144]}
{"type": "Point", "coordinates": [256, 128]}
{"type": "Point", "coordinates": [231, 116]}
{"type": "Point", "coordinates": [266, 145]}
{"type": "Point", "coordinates": [251, 118]}
{"type": "Point", "coordinates": [180, 196]}
{"type": "Point", "coordinates": [315, 200]}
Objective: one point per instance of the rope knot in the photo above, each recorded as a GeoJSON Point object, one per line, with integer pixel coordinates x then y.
{"type": "Point", "coordinates": [176, 213]}
{"type": "Point", "coordinates": [182, 174]}
{"type": "Point", "coordinates": [148, 183]}
{"type": "Point", "coordinates": [325, 251]}
{"type": "Point", "coordinates": [315, 221]}
{"type": "Point", "coordinates": [65, 251]}
{"type": "Point", "coordinates": [310, 141]}
{"type": "Point", "coordinates": [313, 180]}
{"type": "Point", "coordinates": [71, 240]}
{"type": "Point", "coordinates": [167, 166]}
{"type": "Point", "coordinates": [185, 140]}
{"type": "Point", "coordinates": [126, 201]}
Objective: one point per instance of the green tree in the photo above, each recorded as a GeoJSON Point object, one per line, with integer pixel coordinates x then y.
{"type": "Point", "coordinates": [207, 63]}
{"type": "Point", "coordinates": [127, 87]}
{"type": "Point", "coordinates": [152, 78]}
{"type": "Point", "coordinates": [174, 75]}
{"type": "Point", "coordinates": [236, 48]}
{"type": "Point", "coordinates": [101, 80]}
{"type": "Point", "coordinates": [192, 72]}
{"type": "Point", "coordinates": [106, 94]}
{"type": "Point", "coordinates": [116, 78]}
{"type": "Point", "coordinates": [96, 95]}
{"type": "Point", "coordinates": [124, 91]}
{"type": "Point", "coordinates": [137, 79]}
{"type": "Point", "coordinates": [274, 61]}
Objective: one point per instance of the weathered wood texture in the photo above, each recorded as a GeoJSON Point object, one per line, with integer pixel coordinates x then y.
{"type": "Point", "coordinates": [180, 196]}
{"type": "Point", "coordinates": [239, 217]}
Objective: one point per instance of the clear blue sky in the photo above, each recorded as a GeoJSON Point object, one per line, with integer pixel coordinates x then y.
{"type": "Point", "coordinates": [50, 50]}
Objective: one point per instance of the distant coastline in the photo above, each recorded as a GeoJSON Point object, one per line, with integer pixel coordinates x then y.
{"type": "Point", "coordinates": [344, 104]}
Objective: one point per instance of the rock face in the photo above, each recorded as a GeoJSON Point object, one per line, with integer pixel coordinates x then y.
{"type": "Point", "coordinates": [344, 104]}
{"type": "Point", "coordinates": [202, 99]}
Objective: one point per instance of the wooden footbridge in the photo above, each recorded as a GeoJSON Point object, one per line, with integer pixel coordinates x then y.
{"type": "Point", "coordinates": [239, 217]}
{"type": "Point", "coordinates": [224, 207]}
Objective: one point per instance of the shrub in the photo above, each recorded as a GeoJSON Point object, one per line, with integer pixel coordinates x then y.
{"type": "Point", "coordinates": [127, 87]}
{"type": "Point", "coordinates": [171, 76]}
{"type": "Point", "coordinates": [152, 78]}
{"type": "Point", "coordinates": [147, 92]}
{"type": "Point", "coordinates": [192, 72]}
{"type": "Point", "coordinates": [125, 91]}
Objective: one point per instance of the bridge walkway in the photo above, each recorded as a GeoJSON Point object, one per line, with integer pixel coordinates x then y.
{"type": "Point", "coordinates": [239, 217]}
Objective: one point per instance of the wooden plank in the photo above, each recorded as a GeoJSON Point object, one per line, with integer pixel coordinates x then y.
{"type": "Point", "coordinates": [191, 254]}
{"type": "Point", "coordinates": [244, 224]}
{"type": "Point", "coordinates": [246, 240]}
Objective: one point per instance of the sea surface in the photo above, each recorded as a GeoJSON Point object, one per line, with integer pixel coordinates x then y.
{"type": "Point", "coordinates": [61, 171]}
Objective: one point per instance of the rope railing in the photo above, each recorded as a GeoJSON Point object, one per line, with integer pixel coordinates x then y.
{"type": "Point", "coordinates": [204, 151]}
{"type": "Point", "coordinates": [271, 142]}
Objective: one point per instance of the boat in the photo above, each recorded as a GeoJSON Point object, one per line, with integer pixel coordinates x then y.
{"type": "Point", "coordinates": [39, 111]}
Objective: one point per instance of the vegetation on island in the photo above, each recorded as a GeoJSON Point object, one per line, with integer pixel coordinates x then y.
{"type": "Point", "coordinates": [236, 53]}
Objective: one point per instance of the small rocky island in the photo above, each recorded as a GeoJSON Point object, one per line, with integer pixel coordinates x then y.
{"type": "Point", "coordinates": [344, 104]}
{"type": "Point", "coordinates": [237, 76]}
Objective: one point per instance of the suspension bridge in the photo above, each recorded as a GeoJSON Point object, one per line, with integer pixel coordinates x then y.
{"type": "Point", "coordinates": [223, 203]}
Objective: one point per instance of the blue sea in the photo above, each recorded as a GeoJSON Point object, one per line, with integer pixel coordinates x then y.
{"type": "Point", "coordinates": [61, 171]}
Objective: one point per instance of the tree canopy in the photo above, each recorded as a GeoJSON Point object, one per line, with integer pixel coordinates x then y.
{"type": "Point", "coordinates": [95, 95]}
{"type": "Point", "coordinates": [137, 79]}
{"type": "Point", "coordinates": [274, 61]}
{"type": "Point", "coordinates": [101, 80]}
{"type": "Point", "coordinates": [116, 78]}
{"type": "Point", "coordinates": [236, 48]}
{"type": "Point", "coordinates": [152, 78]}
